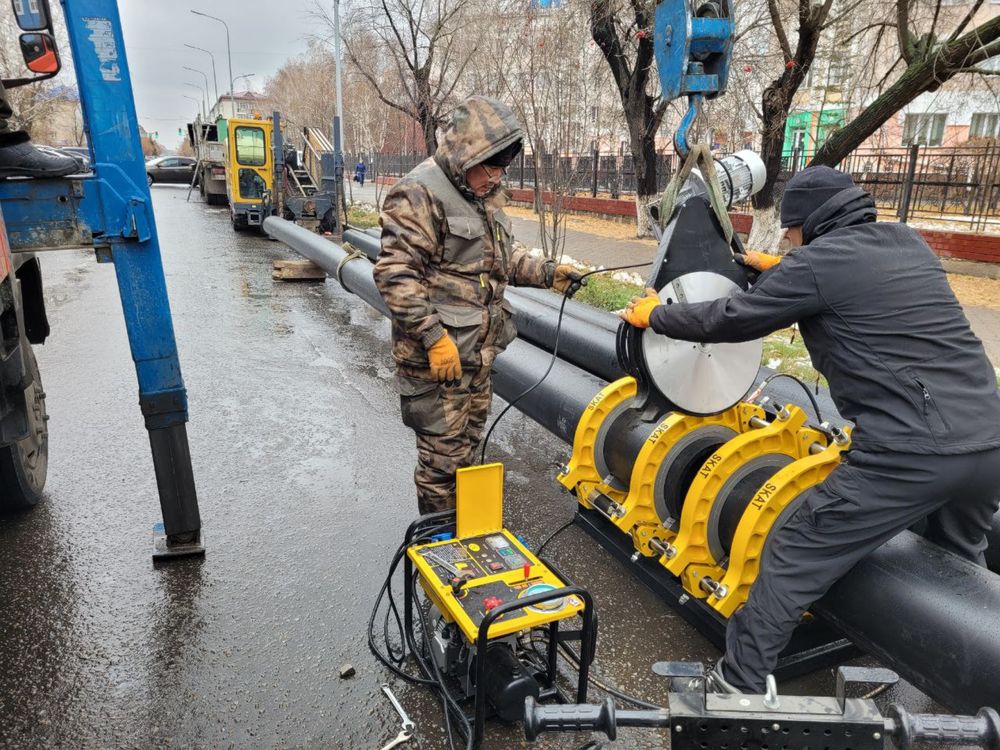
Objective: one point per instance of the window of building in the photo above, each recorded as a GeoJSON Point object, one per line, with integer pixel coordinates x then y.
{"type": "Point", "coordinates": [250, 150]}
{"type": "Point", "coordinates": [985, 125]}
{"type": "Point", "coordinates": [926, 129]}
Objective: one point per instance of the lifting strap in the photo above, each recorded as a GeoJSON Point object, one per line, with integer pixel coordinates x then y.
{"type": "Point", "coordinates": [700, 155]}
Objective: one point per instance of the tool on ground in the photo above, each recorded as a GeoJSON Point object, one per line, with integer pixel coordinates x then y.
{"type": "Point", "coordinates": [404, 736]}
{"type": "Point", "coordinates": [699, 719]}
{"type": "Point", "coordinates": [408, 725]}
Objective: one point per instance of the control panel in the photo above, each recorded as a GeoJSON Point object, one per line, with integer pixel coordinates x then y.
{"type": "Point", "coordinates": [467, 578]}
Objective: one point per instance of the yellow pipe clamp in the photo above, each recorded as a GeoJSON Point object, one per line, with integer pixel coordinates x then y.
{"type": "Point", "coordinates": [583, 472]}
{"type": "Point", "coordinates": [651, 526]}
{"type": "Point", "coordinates": [775, 500]}
{"type": "Point", "coordinates": [695, 556]}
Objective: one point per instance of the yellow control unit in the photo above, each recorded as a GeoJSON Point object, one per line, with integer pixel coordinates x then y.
{"type": "Point", "coordinates": [485, 566]}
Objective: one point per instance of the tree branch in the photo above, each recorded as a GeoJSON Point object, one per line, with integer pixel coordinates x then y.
{"type": "Point", "coordinates": [779, 28]}
{"type": "Point", "coordinates": [965, 21]}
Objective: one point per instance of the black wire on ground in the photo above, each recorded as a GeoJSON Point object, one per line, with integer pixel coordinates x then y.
{"type": "Point", "coordinates": [570, 291]}
{"type": "Point", "coordinates": [571, 656]}
{"type": "Point", "coordinates": [553, 535]}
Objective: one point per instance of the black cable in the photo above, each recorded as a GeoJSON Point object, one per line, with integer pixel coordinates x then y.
{"type": "Point", "coordinates": [772, 376]}
{"type": "Point", "coordinates": [449, 703]}
{"type": "Point", "coordinates": [570, 291]}
{"type": "Point", "coordinates": [390, 660]}
{"type": "Point", "coordinates": [553, 535]}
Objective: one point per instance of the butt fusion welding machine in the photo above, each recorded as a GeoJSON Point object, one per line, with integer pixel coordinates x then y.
{"type": "Point", "coordinates": [490, 600]}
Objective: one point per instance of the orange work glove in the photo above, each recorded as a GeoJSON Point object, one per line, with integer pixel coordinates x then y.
{"type": "Point", "coordinates": [758, 261]}
{"type": "Point", "coordinates": [567, 280]}
{"type": "Point", "coordinates": [446, 366]}
{"type": "Point", "coordinates": [638, 311]}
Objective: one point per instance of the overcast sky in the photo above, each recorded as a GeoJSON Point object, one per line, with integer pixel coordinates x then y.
{"type": "Point", "coordinates": [263, 35]}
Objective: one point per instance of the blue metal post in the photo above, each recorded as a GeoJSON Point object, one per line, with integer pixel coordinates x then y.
{"type": "Point", "coordinates": [98, 48]}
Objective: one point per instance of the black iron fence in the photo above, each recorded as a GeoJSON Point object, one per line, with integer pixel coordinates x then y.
{"type": "Point", "coordinates": [960, 184]}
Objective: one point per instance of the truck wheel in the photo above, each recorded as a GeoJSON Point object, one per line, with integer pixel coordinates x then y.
{"type": "Point", "coordinates": [24, 464]}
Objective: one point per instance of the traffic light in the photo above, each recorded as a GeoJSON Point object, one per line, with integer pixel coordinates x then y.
{"type": "Point", "coordinates": [156, 135]}
{"type": "Point", "coordinates": [180, 133]}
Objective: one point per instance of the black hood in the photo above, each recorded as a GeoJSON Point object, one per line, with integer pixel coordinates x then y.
{"type": "Point", "coordinates": [847, 208]}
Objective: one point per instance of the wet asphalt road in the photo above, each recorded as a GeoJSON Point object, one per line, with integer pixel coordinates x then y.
{"type": "Point", "coordinates": [305, 479]}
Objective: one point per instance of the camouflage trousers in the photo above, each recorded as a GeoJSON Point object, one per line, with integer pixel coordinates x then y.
{"type": "Point", "coordinates": [448, 422]}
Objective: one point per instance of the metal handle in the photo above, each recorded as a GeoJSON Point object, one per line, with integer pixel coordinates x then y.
{"type": "Point", "coordinates": [579, 717]}
{"type": "Point", "coordinates": [981, 730]}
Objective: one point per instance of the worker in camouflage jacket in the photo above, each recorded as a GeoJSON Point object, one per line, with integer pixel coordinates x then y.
{"type": "Point", "coordinates": [447, 257]}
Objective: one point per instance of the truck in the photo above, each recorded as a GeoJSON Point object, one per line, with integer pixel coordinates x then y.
{"type": "Point", "coordinates": [210, 171]}
{"type": "Point", "coordinates": [264, 177]}
{"type": "Point", "coordinates": [108, 211]}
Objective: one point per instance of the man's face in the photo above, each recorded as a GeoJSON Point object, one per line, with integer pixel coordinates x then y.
{"type": "Point", "coordinates": [794, 236]}
{"type": "Point", "coordinates": [483, 180]}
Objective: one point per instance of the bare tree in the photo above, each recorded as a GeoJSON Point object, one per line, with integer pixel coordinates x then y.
{"type": "Point", "coordinates": [624, 32]}
{"type": "Point", "coordinates": [779, 95]}
{"type": "Point", "coordinates": [425, 44]}
{"type": "Point", "coordinates": [926, 60]}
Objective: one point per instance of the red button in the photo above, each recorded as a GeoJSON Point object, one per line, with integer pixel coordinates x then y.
{"type": "Point", "coordinates": [491, 602]}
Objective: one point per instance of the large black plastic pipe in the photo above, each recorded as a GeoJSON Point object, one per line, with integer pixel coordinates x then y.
{"type": "Point", "coordinates": [926, 613]}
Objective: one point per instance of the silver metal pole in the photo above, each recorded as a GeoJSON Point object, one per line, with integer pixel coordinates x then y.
{"type": "Point", "coordinates": [215, 79]}
{"type": "Point", "coordinates": [229, 49]}
{"type": "Point", "coordinates": [338, 146]}
{"type": "Point", "coordinates": [204, 96]}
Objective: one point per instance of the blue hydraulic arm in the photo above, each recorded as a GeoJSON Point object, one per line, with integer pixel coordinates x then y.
{"type": "Point", "coordinates": [111, 211]}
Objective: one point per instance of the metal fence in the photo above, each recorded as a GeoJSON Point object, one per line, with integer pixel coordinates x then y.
{"type": "Point", "coordinates": [959, 184]}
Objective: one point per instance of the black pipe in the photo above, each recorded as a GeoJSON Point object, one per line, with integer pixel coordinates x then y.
{"type": "Point", "coordinates": [924, 612]}
{"type": "Point", "coordinates": [928, 614]}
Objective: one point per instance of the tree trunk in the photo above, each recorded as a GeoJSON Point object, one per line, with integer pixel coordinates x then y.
{"type": "Point", "coordinates": [644, 160]}
{"type": "Point", "coordinates": [425, 111]}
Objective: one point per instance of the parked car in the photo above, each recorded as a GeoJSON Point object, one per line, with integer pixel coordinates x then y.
{"type": "Point", "coordinates": [177, 169]}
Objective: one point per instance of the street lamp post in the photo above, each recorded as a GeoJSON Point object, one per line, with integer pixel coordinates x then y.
{"type": "Point", "coordinates": [200, 91]}
{"type": "Point", "coordinates": [215, 80]}
{"type": "Point", "coordinates": [245, 75]}
{"type": "Point", "coordinates": [338, 120]}
{"type": "Point", "coordinates": [229, 50]}
{"type": "Point", "coordinates": [195, 70]}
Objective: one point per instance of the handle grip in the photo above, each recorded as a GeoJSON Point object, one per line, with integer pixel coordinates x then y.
{"type": "Point", "coordinates": [581, 717]}
{"type": "Point", "coordinates": [982, 730]}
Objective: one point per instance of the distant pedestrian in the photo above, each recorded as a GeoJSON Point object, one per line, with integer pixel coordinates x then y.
{"type": "Point", "coordinates": [360, 169]}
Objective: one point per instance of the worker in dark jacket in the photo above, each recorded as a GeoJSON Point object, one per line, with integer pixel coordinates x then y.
{"type": "Point", "coordinates": [882, 324]}
{"type": "Point", "coordinates": [446, 260]}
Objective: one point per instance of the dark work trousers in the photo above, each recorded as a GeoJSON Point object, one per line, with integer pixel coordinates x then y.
{"type": "Point", "coordinates": [864, 502]}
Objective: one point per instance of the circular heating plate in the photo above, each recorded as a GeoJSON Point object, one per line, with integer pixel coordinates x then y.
{"type": "Point", "coordinates": [700, 379]}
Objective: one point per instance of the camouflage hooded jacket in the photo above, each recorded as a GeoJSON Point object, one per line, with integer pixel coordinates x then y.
{"type": "Point", "coordinates": [448, 256]}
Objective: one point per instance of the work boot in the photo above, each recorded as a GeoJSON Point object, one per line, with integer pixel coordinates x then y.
{"type": "Point", "coordinates": [20, 158]}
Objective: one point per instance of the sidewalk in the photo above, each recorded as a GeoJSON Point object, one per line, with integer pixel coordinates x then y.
{"type": "Point", "coordinates": [583, 247]}
{"type": "Point", "coordinates": [593, 249]}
